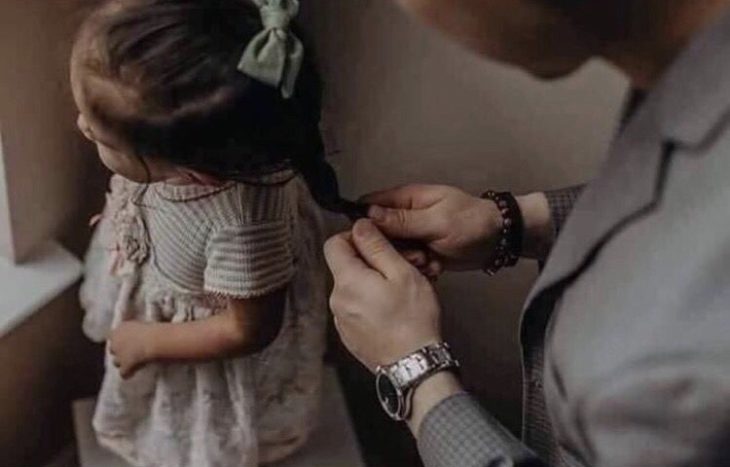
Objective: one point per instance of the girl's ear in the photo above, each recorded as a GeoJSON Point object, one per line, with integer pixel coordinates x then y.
{"type": "Point", "coordinates": [201, 178]}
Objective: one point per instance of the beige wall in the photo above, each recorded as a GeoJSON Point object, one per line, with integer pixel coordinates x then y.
{"type": "Point", "coordinates": [46, 364]}
{"type": "Point", "coordinates": [40, 149]}
{"type": "Point", "coordinates": [51, 190]}
{"type": "Point", "coordinates": [404, 105]}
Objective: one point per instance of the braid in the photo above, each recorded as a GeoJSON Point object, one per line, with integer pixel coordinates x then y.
{"type": "Point", "coordinates": [319, 175]}
{"type": "Point", "coordinates": [321, 179]}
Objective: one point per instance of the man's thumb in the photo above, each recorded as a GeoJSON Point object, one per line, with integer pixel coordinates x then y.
{"type": "Point", "coordinates": [377, 250]}
{"type": "Point", "coordinates": [402, 223]}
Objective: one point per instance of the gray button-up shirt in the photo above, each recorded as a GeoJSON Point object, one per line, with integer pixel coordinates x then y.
{"type": "Point", "coordinates": [626, 335]}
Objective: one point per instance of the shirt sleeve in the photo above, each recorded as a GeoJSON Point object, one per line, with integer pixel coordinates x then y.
{"type": "Point", "coordinates": [250, 260]}
{"type": "Point", "coordinates": [561, 204]}
{"type": "Point", "coordinates": [459, 433]}
{"type": "Point", "coordinates": [665, 415]}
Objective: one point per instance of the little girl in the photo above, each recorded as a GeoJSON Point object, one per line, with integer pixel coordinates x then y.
{"type": "Point", "coordinates": [214, 311]}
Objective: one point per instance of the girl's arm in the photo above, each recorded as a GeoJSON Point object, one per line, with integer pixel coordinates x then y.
{"type": "Point", "coordinates": [247, 326]}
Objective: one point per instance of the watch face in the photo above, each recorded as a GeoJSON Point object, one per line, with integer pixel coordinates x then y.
{"type": "Point", "coordinates": [388, 395]}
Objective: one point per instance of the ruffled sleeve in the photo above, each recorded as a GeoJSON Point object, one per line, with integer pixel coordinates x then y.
{"type": "Point", "coordinates": [247, 261]}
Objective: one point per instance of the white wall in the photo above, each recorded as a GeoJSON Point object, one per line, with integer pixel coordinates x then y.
{"type": "Point", "coordinates": [405, 105]}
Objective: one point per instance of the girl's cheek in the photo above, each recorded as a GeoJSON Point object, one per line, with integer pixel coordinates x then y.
{"type": "Point", "coordinates": [111, 165]}
{"type": "Point", "coordinates": [120, 164]}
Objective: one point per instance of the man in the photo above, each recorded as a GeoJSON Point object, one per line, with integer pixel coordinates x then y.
{"type": "Point", "coordinates": [626, 335]}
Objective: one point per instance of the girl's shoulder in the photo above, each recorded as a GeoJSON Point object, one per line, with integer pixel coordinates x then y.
{"type": "Point", "coordinates": [120, 186]}
{"type": "Point", "coordinates": [269, 198]}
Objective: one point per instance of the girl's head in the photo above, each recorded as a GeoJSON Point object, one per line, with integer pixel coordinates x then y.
{"type": "Point", "coordinates": [159, 91]}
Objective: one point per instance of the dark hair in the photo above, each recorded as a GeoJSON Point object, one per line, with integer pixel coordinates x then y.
{"type": "Point", "coordinates": [175, 62]}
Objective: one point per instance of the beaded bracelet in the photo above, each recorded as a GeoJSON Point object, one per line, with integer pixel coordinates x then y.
{"type": "Point", "coordinates": [509, 245]}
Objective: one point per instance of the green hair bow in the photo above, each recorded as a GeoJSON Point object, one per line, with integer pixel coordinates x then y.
{"type": "Point", "coordinates": [275, 55]}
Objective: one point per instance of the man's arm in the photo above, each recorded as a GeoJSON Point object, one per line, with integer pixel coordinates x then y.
{"type": "Point", "coordinates": [561, 202]}
{"type": "Point", "coordinates": [538, 233]}
{"type": "Point", "coordinates": [452, 430]}
{"type": "Point", "coordinates": [462, 229]}
{"type": "Point", "coordinates": [663, 412]}
{"type": "Point", "coordinates": [384, 310]}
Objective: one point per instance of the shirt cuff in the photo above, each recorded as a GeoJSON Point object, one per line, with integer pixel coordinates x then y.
{"type": "Point", "coordinates": [561, 204]}
{"type": "Point", "coordinates": [459, 433]}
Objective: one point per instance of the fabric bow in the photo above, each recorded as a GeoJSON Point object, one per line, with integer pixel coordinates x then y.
{"type": "Point", "coordinates": [275, 55]}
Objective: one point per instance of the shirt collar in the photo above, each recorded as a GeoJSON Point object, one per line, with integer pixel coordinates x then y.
{"type": "Point", "coordinates": [194, 191]}
{"type": "Point", "coordinates": [189, 192]}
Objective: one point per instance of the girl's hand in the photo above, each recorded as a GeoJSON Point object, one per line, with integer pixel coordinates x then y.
{"type": "Point", "coordinates": [129, 345]}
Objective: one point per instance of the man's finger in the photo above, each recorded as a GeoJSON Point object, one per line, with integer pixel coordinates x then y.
{"type": "Point", "coordinates": [341, 331]}
{"type": "Point", "coordinates": [418, 224]}
{"type": "Point", "coordinates": [417, 258]}
{"type": "Point", "coordinates": [406, 197]}
{"type": "Point", "coordinates": [434, 269]}
{"type": "Point", "coordinates": [376, 250]}
{"type": "Point", "coordinates": [342, 257]}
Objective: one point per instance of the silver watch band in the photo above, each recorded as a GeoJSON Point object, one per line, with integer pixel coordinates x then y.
{"type": "Point", "coordinates": [407, 373]}
{"type": "Point", "coordinates": [412, 369]}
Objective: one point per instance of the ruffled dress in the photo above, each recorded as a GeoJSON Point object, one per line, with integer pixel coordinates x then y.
{"type": "Point", "coordinates": [170, 253]}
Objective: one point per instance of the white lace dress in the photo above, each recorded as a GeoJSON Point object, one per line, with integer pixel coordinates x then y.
{"type": "Point", "coordinates": [167, 253]}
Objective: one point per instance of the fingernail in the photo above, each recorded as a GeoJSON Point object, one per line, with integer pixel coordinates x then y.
{"type": "Point", "coordinates": [364, 228]}
{"type": "Point", "coordinates": [376, 213]}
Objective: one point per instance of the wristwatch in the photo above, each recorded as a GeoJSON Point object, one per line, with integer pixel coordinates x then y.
{"type": "Point", "coordinates": [396, 383]}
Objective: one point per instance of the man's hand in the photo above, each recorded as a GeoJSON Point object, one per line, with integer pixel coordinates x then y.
{"type": "Point", "coordinates": [462, 230]}
{"type": "Point", "coordinates": [384, 308]}
{"type": "Point", "coordinates": [129, 345]}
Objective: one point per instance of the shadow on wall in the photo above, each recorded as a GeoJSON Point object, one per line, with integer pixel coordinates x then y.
{"type": "Point", "coordinates": [405, 105]}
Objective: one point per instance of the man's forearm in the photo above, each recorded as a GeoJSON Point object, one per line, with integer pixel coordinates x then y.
{"type": "Point", "coordinates": [453, 431]}
{"type": "Point", "coordinates": [544, 214]}
{"type": "Point", "coordinates": [538, 234]}
{"type": "Point", "coordinates": [429, 394]}
{"type": "Point", "coordinates": [561, 203]}
{"type": "Point", "coordinates": [459, 433]}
